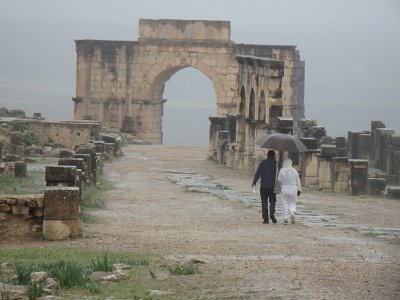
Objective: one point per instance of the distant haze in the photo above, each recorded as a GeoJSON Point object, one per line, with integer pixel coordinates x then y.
{"type": "Point", "coordinates": [351, 50]}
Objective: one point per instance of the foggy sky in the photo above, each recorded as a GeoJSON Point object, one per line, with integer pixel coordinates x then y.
{"type": "Point", "coordinates": [351, 50]}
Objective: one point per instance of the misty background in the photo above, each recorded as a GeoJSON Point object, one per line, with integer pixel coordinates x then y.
{"type": "Point", "coordinates": [351, 50]}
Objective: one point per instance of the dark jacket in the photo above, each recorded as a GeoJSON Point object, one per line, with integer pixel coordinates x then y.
{"type": "Point", "coordinates": [267, 170]}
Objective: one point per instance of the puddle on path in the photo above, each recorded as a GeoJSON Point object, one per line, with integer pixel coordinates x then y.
{"type": "Point", "coordinates": [194, 182]}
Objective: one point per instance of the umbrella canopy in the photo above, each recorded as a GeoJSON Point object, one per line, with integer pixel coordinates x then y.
{"type": "Point", "coordinates": [281, 142]}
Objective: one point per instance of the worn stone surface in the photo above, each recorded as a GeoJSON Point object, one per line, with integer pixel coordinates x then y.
{"type": "Point", "coordinates": [60, 173]}
{"type": "Point", "coordinates": [77, 162]}
{"type": "Point", "coordinates": [61, 203]}
{"type": "Point", "coordinates": [359, 175]}
{"type": "Point", "coordinates": [376, 186]}
{"type": "Point", "coordinates": [60, 229]}
{"type": "Point", "coordinates": [21, 169]}
{"type": "Point", "coordinates": [393, 192]}
{"type": "Point", "coordinates": [12, 292]}
{"type": "Point", "coordinates": [310, 143]}
{"type": "Point", "coordinates": [328, 150]}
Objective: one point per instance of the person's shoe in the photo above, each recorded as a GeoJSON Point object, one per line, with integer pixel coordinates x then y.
{"type": "Point", "coordinates": [273, 219]}
{"type": "Point", "coordinates": [285, 222]}
{"type": "Point", "coordinates": [265, 222]}
{"type": "Point", "coordinates": [292, 219]}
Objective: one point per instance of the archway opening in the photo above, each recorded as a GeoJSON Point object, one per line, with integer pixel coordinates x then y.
{"type": "Point", "coordinates": [191, 99]}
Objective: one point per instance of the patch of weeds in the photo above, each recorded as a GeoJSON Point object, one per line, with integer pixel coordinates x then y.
{"type": "Point", "coordinates": [371, 234]}
{"type": "Point", "coordinates": [69, 274]}
{"type": "Point", "coordinates": [23, 272]}
{"type": "Point", "coordinates": [184, 269]}
{"type": "Point", "coordinates": [92, 287]}
{"type": "Point", "coordinates": [8, 184]}
{"type": "Point", "coordinates": [93, 195]}
{"type": "Point", "coordinates": [222, 187]}
{"type": "Point", "coordinates": [395, 241]}
{"type": "Point", "coordinates": [86, 217]}
{"type": "Point", "coordinates": [152, 273]}
{"type": "Point", "coordinates": [134, 261]}
{"type": "Point", "coordinates": [17, 186]}
{"type": "Point", "coordinates": [35, 290]}
{"type": "Point", "coordinates": [102, 263]}
{"type": "Point", "coordinates": [30, 139]}
{"type": "Point", "coordinates": [19, 127]}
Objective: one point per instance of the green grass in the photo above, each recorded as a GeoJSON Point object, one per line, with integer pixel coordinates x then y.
{"type": "Point", "coordinates": [93, 195]}
{"type": "Point", "coordinates": [35, 290]}
{"type": "Point", "coordinates": [102, 263]}
{"type": "Point", "coordinates": [71, 267]}
{"type": "Point", "coordinates": [184, 269]}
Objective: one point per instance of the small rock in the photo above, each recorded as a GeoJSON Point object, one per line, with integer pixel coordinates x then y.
{"type": "Point", "coordinates": [38, 276]}
{"type": "Point", "coordinates": [155, 293]}
{"type": "Point", "coordinates": [102, 276]}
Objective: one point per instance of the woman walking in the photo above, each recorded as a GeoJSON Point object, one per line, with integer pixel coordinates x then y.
{"type": "Point", "coordinates": [290, 189]}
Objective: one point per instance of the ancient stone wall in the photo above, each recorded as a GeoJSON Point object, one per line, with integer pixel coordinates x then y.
{"type": "Point", "coordinates": [20, 216]}
{"type": "Point", "coordinates": [68, 134]}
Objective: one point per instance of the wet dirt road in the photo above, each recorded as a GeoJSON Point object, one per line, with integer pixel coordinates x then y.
{"type": "Point", "coordinates": [173, 201]}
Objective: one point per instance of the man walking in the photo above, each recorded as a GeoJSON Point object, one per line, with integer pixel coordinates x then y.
{"type": "Point", "coordinates": [267, 171]}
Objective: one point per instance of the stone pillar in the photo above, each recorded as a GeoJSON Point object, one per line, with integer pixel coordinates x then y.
{"type": "Point", "coordinates": [87, 167]}
{"type": "Point", "coordinates": [310, 143]}
{"type": "Point", "coordinates": [381, 147]}
{"type": "Point", "coordinates": [93, 161]}
{"type": "Point", "coordinates": [60, 176]}
{"type": "Point", "coordinates": [79, 163]}
{"type": "Point", "coordinates": [20, 169]}
{"type": "Point", "coordinates": [340, 174]}
{"type": "Point", "coordinates": [309, 168]}
{"type": "Point", "coordinates": [393, 192]}
{"type": "Point", "coordinates": [359, 175]}
{"type": "Point", "coordinates": [393, 162]}
{"type": "Point", "coordinates": [376, 186]}
{"type": "Point", "coordinates": [364, 146]}
{"type": "Point", "coordinates": [216, 125]}
{"type": "Point", "coordinates": [61, 213]}
{"type": "Point", "coordinates": [374, 140]}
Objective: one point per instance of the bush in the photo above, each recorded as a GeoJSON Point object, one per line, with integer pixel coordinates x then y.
{"type": "Point", "coordinates": [23, 272]}
{"type": "Point", "coordinates": [185, 269]}
{"type": "Point", "coordinates": [30, 139]}
{"type": "Point", "coordinates": [69, 274]}
{"type": "Point", "coordinates": [102, 264]}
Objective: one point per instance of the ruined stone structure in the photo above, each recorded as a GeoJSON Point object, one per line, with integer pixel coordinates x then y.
{"type": "Point", "coordinates": [121, 83]}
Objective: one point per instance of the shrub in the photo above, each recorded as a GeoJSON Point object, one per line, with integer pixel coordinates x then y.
{"type": "Point", "coordinates": [35, 290]}
{"type": "Point", "coordinates": [23, 272]}
{"type": "Point", "coordinates": [185, 269]}
{"type": "Point", "coordinates": [68, 274]}
{"type": "Point", "coordinates": [30, 139]}
{"type": "Point", "coordinates": [102, 264]}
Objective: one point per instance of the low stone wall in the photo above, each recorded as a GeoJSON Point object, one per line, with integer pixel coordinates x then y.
{"type": "Point", "coordinates": [20, 216]}
{"type": "Point", "coordinates": [67, 133]}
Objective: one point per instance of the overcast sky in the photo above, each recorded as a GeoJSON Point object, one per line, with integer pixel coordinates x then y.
{"type": "Point", "coordinates": [351, 49]}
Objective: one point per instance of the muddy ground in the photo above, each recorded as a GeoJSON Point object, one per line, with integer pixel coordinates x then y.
{"type": "Point", "coordinates": [175, 202]}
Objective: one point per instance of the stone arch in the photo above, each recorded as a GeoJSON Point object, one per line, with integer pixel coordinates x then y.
{"type": "Point", "coordinates": [153, 88]}
{"type": "Point", "coordinates": [147, 95]}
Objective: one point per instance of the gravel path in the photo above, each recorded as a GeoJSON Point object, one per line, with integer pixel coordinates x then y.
{"type": "Point", "coordinates": [175, 202]}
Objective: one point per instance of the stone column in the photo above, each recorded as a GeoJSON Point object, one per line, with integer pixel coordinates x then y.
{"type": "Point", "coordinates": [61, 213]}
{"type": "Point", "coordinates": [359, 175]}
{"type": "Point", "coordinates": [340, 174]}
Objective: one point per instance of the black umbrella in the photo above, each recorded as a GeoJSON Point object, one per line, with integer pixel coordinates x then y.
{"type": "Point", "coordinates": [281, 142]}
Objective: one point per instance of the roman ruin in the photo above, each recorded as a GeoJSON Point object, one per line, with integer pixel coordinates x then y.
{"type": "Point", "coordinates": [121, 83]}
